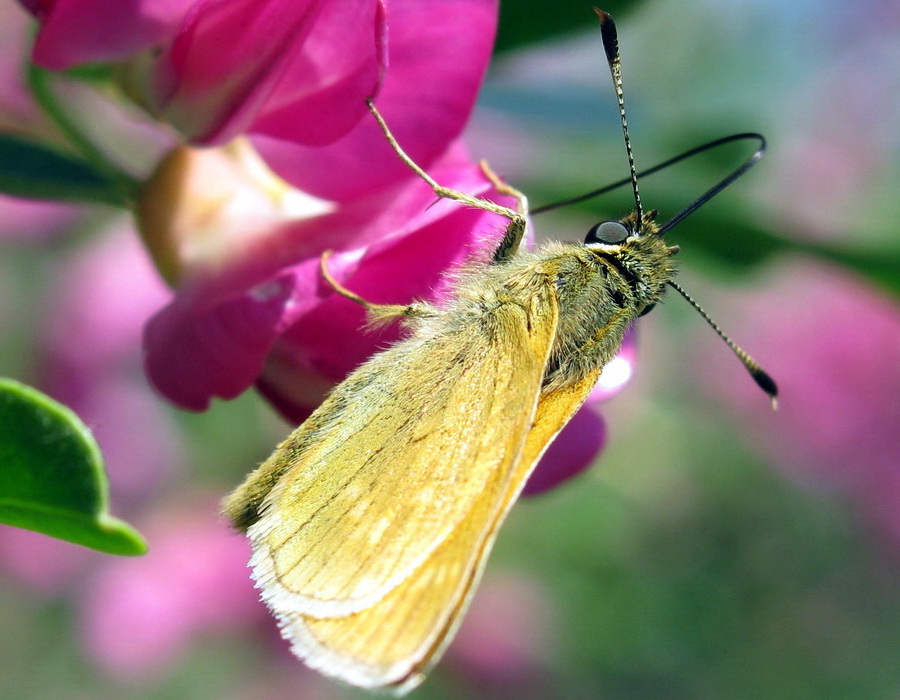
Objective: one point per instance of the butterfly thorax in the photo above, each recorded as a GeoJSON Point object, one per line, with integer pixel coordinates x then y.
{"type": "Point", "coordinates": [598, 289]}
{"type": "Point", "coordinates": [602, 290]}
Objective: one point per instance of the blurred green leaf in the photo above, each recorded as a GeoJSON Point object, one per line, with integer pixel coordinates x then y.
{"type": "Point", "coordinates": [531, 21]}
{"type": "Point", "coordinates": [51, 474]}
{"type": "Point", "coordinates": [736, 242]}
{"type": "Point", "coordinates": [34, 171]}
{"type": "Point", "coordinates": [92, 72]}
{"type": "Point", "coordinates": [880, 267]}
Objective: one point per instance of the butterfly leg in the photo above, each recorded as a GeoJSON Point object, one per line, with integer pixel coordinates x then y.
{"type": "Point", "coordinates": [378, 313]}
{"type": "Point", "coordinates": [515, 231]}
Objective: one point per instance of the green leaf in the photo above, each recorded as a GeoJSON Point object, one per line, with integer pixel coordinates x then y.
{"type": "Point", "coordinates": [878, 266]}
{"type": "Point", "coordinates": [531, 21]}
{"type": "Point", "coordinates": [734, 242]}
{"type": "Point", "coordinates": [34, 171]}
{"type": "Point", "coordinates": [51, 474]}
{"type": "Point", "coordinates": [92, 72]}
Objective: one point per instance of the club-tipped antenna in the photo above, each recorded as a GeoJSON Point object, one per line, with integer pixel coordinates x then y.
{"type": "Point", "coordinates": [611, 47]}
{"type": "Point", "coordinates": [762, 379]}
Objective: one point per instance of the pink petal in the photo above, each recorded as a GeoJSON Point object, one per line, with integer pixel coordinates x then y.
{"type": "Point", "coordinates": [32, 221]}
{"type": "Point", "coordinates": [832, 345]}
{"type": "Point", "coordinates": [74, 32]}
{"type": "Point", "coordinates": [574, 450]}
{"type": "Point", "coordinates": [617, 373]}
{"type": "Point", "coordinates": [141, 614]}
{"type": "Point", "coordinates": [90, 353]}
{"type": "Point", "coordinates": [230, 56]}
{"type": "Point", "coordinates": [196, 349]}
{"type": "Point", "coordinates": [322, 94]}
{"type": "Point", "coordinates": [438, 52]}
{"type": "Point", "coordinates": [506, 634]}
{"type": "Point", "coordinates": [46, 565]}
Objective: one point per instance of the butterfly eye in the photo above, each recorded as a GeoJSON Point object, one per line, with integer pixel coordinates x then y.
{"type": "Point", "coordinates": [607, 232]}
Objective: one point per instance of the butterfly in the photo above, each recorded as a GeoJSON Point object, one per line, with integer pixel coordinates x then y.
{"type": "Point", "coordinates": [372, 522]}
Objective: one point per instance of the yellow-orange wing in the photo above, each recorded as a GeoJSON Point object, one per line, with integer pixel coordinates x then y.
{"type": "Point", "coordinates": [395, 641]}
{"type": "Point", "coordinates": [384, 502]}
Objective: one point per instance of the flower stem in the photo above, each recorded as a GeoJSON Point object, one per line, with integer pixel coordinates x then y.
{"type": "Point", "coordinates": [125, 186]}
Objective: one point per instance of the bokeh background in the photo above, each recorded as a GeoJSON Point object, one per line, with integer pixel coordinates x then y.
{"type": "Point", "coordinates": [716, 550]}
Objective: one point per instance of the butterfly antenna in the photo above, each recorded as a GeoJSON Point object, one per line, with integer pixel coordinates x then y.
{"type": "Point", "coordinates": [762, 379]}
{"type": "Point", "coordinates": [611, 47]}
{"type": "Point", "coordinates": [722, 184]}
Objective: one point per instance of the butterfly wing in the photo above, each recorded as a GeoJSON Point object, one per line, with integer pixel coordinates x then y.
{"type": "Point", "coordinates": [395, 641]}
{"type": "Point", "coordinates": [368, 543]}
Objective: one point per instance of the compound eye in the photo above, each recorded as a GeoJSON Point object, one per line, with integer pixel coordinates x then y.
{"type": "Point", "coordinates": [607, 232]}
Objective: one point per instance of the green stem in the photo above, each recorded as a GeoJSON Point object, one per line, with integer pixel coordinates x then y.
{"type": "Point", "coordinates": [125, 186]}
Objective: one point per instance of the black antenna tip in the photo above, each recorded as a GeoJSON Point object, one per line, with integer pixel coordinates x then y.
{"type": "Point", "coordinates": [767, 384]}
{"type": "Point", "coordinates": [608, 34]}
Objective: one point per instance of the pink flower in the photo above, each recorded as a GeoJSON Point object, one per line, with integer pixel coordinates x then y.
{"type": "Point", "coordinates": [90, 359]}
{"type": "Point", "coordinates": [212, 68]}
{"type": "Point", "coordinates": [43, 564]}
{"type": "Point", "coordinates": [264, 319]}
{"type": "Point", "coordinates": [832, 343]}
{"type": "Point", "coordinates": [438, 53]}
{"type": "Point", "coordinates": [290, 71]}
{"type": "Point", "coordinates": [235, 63]}
{"type": "Point", "coordinates": [505, 635]}
{"type": "Point", "coordinates": [260, 319]}
{"type": "Point", "coordinates": [140, 614]}
{"type": "Point", "coordinates": [75, 32]}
